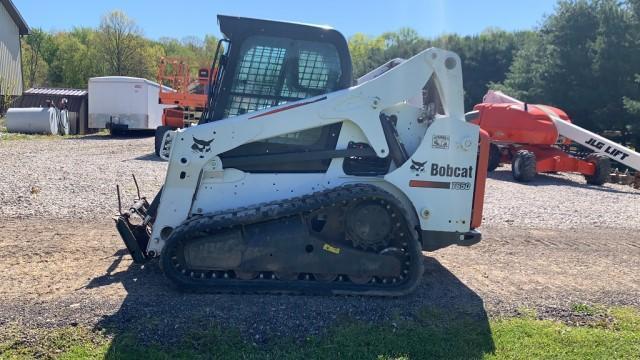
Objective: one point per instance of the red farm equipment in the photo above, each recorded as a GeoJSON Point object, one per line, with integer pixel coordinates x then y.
{"type": "Point", "coordinates": [539, 138]}
{"type": "Point", "coordinates": [189, 96]}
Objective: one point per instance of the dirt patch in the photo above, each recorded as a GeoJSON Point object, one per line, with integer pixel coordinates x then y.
{"type": "Point", "coordinates": [57, 274]}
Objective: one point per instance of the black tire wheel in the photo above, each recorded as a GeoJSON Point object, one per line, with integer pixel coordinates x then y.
{"type": "Point", "coordinates": [603, 169]}
{"type": "Point", "coordinates": [115, 132]}
{"type": "Point", "coordinates": [160, 131]}
{"type": "Point", "coordinates": [494, 157]}
{"type": "Point", "coordinates": [523, 166]}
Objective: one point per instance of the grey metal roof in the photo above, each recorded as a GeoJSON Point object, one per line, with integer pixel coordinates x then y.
{"type": "Point", "coordinates": [57, 92]}
{"type": "Point", "coordinates": [37, 97]}
{"type": "Point", "coordinates": [23, 28]}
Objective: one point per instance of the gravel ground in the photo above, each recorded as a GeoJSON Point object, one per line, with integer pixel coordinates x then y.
{"type": "Point", "coordinates": [546, 246]}
{"type": "Point", "coordinates": [76, 178]}
{"type": "Point", "coordinates": [559, 201]}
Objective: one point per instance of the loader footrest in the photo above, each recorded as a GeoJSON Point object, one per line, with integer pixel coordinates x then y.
{"type": "Point", "coordinates": [434, 240]}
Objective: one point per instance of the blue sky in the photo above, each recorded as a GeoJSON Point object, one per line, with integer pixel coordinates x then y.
{"type": "Point", "coordinates": [180, 18]}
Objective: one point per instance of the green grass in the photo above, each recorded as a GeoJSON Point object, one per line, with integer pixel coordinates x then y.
{"type": "Point", "coordinates": [426, 337]}
{"type": "Point", "coordinates": [6, 136]}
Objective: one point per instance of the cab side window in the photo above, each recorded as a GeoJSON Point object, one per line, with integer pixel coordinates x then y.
{"type": "Point", "coordinates": [274, 71]}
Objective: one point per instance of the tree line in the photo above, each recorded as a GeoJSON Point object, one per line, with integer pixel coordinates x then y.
{"type": "Point", "coordinates": [583, 58]}
{"type": "Point", "coordinates": [116, 47]}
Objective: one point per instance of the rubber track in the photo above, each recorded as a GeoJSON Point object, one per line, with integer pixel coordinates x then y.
{"type": "Point", "coordinates": [204, 225]}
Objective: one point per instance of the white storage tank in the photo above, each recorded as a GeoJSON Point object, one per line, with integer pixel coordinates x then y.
{"type": "Point", "coordinates": [50, 121]}
{"type": "Point", "coordinates": [122, 103]}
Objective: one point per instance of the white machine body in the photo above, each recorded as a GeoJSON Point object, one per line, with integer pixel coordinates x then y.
{"type": "Point", "coordinates": [438, 179]}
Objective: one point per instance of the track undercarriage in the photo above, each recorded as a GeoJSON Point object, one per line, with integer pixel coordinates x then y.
{"type": "Point", "coordinates": [355, 239]}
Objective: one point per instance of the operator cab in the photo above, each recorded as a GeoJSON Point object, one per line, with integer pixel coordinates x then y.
{"type": "Point", "coordinates": [270, 63]}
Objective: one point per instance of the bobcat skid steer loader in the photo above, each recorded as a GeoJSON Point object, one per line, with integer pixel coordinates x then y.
{"type": "Point", "coordinates": [298, 181]}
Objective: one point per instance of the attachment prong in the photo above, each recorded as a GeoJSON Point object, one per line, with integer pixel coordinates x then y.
{"type": "Point", "coordinates": [137, 187]}
{"type": "Point", "coordinates": [119, 201]}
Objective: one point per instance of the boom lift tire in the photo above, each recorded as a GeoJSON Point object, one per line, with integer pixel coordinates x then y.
{"type": "Point", "coordinates": [114, 132]}
{"type": "Point", "coordinates": [494, 157]}
{"type": "Point", "coordinates": [523, 166]}
{"type": "Point", "coordinates": [160, 131]}
{"type": "Point", "coordinates": [603, 169]}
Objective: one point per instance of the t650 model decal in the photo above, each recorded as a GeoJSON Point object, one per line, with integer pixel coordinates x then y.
{"type": "Point", "coordinates": [440, 185]}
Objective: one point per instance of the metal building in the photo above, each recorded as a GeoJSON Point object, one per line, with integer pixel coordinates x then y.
{"type": "Point", "coordinates": [12, 27]}
{"type": "Point", "coordinates": [77, 104]}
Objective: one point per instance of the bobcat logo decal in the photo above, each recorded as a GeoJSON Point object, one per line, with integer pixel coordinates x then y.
{"type": "Point", "coordinates": [201, 146]}
{"type": "Point", "coordinates": [417, 166]}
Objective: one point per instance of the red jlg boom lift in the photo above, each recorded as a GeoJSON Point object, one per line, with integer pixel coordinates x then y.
{"type": "Point", "coordinates": [189, 97]}
{"type": "Point", "coordinates": [536, 139]}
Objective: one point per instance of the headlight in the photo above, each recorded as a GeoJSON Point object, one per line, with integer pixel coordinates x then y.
{"type": "Point", "coordinates": [165, 148]}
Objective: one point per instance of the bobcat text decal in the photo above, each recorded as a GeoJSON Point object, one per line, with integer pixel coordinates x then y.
{"type": "Point", "coordinates": [443, 171]}
{"type": "Point", "coordinates": [451, 171]}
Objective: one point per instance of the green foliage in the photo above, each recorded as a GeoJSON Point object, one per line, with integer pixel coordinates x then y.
{"type": "Point", "coordinates": [7, 136]}
{"type": "Point", "coordinates": [367, 53]}
{"type": "Point", "coordinates": [403, 43]}
{"type": "Point", "coordinates": [586, 309]}
{"type": "Point", "coordinates": [485, 57]}
{"type": "Point", "coordinates": [582, 60]}
{"type": "Point", "coordinates": [121, 45]}
{"type": "Point", "coordinates": [75, 61]}
{"type": "Point", "coordinates": [7, 89]}
{"type": "Point", "coordinates": [34, 66]}
{"type": "Point", "coordinates": [64, 343]}
{"type": "Point", "coordinates": [632, 106]}
{"type": "Point", "coordinates": [116, 47]}
{"type": "Point", "coordinates": [433, 334]}
{"type": "Point", "coordinates": [197, 52]}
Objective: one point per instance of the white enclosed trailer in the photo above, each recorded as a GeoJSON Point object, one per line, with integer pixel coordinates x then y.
{"type": "Point", "coordinates": [122, 103]}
